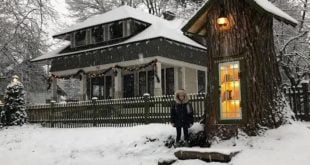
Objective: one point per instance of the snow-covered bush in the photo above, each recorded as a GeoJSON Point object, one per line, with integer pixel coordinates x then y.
{"type": "Point", "coordinates": [14, 112]}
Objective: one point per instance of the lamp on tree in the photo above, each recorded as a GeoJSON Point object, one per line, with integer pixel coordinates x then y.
{"type": "Point", "coordinates": [222, 20]}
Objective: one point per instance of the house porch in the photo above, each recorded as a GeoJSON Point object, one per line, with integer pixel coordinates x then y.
{"type": "Point", "coordinates": [162, 78]}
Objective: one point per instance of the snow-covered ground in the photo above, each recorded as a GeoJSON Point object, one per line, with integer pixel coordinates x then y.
{"type": "Point", "coordinates": [35, 145]}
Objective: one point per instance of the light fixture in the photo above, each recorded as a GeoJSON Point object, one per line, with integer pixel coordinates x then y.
{"type": "Point", "coordinates": [222, 20]}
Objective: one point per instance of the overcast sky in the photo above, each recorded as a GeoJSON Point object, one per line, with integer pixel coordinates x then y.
{"type": "Point", "coordinates": [64, 20]}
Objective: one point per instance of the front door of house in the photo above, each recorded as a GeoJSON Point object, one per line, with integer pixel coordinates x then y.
{"type": "Point", "coordinates": [129, 85]}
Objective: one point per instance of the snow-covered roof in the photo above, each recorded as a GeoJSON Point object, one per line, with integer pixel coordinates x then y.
{"type": "Point", "coordinates": [158, 28]}
{"type": "Point", "coordinates": [272, 9]}
{"type": "Point", "coordinates": [53, 53]}
{"type": "Point", "coordinates": [119, 13]}
{"type": "Point", "coordinates": [265, 5]}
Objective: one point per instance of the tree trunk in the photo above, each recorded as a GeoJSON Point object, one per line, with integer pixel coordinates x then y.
{"type": "Point", "coordinates": [250, 41]}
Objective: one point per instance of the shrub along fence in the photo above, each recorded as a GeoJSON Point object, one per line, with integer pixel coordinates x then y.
{"type": "Point", "coordinates": [111, 113]}
{"type": "Point", "coordinates": [299, 98]}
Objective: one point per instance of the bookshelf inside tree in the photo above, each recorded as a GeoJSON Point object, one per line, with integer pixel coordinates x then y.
{"type": "Point", "coordinates": [230, 92]}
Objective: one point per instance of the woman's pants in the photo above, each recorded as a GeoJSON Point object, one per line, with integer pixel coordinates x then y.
{"type": "Point", "coordinates": [185, 131]}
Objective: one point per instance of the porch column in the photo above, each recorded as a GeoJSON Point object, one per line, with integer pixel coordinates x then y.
{"type": "Point", "coordinates": [183, 71]}
{"type": "Point", "coordinates": [176, 79]}
{"type": "Point", "coordinates": [83, 88]}
{"type": "Point", "coordinates": [54, 89]}
{"type": "Point", "coordinates": [157, 84]}
{"type": "Point", "coordinates": [118, 84]}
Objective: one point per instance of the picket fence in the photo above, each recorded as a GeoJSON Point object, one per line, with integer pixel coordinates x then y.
{"type": "Point", "coordinates": [111, 113]}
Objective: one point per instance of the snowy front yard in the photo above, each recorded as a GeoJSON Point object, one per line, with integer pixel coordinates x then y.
{"type": "Point", "coordinates": [34, 145]}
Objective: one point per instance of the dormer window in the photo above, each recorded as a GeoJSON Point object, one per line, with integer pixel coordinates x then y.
{"type": "Point", "coordinates": [105, 34]}
{"type": "Point", "coordinates": [80, 38]}
{"type": "Point", "coordinates": [97, 34]}
{"type": "Point", "coordinates": [116, 30]}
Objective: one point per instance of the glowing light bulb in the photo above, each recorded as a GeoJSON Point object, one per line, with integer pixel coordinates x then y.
{"type": "Point", "coordinates": [223, 21]}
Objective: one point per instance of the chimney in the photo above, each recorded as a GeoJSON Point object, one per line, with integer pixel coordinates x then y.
{"type": "Point", "coordinates": [168, 15]}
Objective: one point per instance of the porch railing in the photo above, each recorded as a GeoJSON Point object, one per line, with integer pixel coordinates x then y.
{"type": "Point", "coordinates": [110, 113]}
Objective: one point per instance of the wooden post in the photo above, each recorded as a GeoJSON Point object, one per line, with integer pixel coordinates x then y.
{"type": "Point", "coordinates": [54, 89]}
{"type": "Point", "coordinates": [94, 101]}
{"type": "Point", "coordinates": [305, 87]}
{"type": "Point", "coordinates": [146, 107]}
{"type": "Point", "coordinates": [53, 113]}
{"type": "Point", "coordinates": [183, 70]}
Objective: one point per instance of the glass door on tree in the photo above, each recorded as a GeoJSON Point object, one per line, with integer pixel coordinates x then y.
{"type": "Point", "coordinates": [230, 91]}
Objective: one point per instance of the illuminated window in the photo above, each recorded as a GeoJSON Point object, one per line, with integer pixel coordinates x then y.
{"type": "Point", "coordinates": [230, 98]}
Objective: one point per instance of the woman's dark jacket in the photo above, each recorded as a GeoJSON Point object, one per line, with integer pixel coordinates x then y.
{"type": "Point", "coordinates": [182, 114]}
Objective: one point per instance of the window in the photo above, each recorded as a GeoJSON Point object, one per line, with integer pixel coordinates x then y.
{"type": "Point", "coordinates": [100, 87]}
{"type": "Point", "coordinates": [146, 82]}
{"type": "Point", "coordinates": [167, 77]}
{"type": "Point", "coordinates": [170, 81]}
{"type": "Point", "coordinates": [97, 87]}
{"type": "Point", "coordinates": [97, 34]}
{"type": "Point", "coordinates": [116, 30]}
{"type": "Point", "coordinates": [230, 94]}
{"type": "Point", "coordinates": [80, 38]}
{"type": "Point", "coordinates": [201, 76]}
{"type": "Point", "coordinates": [109, 90]}
{"type": "Point", "coordinates": [142, 83]}
{"type": "Point", "coordinates": [163, 80]}
{"type": "Point", "coordinates": [128, 85]}
{"type": "Point", "coordinates": [150, 86]}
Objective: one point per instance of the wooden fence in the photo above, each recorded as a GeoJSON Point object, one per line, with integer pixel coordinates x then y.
{"type": "Point", "coordinates": [110, 113]}
{"type": "Point", "coordinates": [138, 110]}
{"type": "Point", "coordinates": [299, 101]}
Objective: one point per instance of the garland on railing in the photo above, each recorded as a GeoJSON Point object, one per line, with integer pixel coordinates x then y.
{"type": "Point", "coordinates": [103, 73]}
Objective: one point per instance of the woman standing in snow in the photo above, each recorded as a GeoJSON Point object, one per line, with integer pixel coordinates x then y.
{"type": "Point", "coordinates": [182, 115]}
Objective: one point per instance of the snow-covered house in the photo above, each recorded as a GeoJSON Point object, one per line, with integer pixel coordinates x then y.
{"type": "Point", "coordinates": [127, 52]}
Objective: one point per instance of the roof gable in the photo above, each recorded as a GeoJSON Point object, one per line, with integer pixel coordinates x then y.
{"type": "Point", "coordinates": [262, 5]}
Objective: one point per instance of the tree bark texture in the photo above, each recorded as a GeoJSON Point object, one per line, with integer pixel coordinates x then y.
{"type": "Point", "coordinates": [249, 40]}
